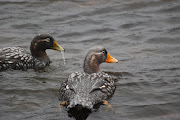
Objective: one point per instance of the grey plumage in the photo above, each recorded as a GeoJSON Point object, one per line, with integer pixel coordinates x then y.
{"type": "Point", "coordinates": [86, 89]}
{"type": "Point", "coordinates": [18, 58]}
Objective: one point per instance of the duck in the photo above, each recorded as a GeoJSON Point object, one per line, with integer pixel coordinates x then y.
{"type": "Point", "coordinates": [18, 59]}
{"type": "Point", "coordinates": [82, 91]}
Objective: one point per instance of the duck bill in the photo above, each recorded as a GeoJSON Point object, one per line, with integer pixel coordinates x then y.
{"type": "Point", "coordinates": [111, 59]}
{"type": "Point", "coordinates": [57, 47]}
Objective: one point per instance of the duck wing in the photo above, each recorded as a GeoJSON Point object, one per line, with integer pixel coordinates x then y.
{"type": "Point", "coordinates": [86, 90]}
{"type": "Point", "coordinates": [17, 58]}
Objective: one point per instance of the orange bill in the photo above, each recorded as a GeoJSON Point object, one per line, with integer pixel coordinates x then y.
{"type": "Point", "coordinates": [111, 59]}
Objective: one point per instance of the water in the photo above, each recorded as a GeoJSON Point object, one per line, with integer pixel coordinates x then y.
{"type": "Point", "coordinates": [62, 52]}
{"type": "Point", "coordinates": [142, 34]}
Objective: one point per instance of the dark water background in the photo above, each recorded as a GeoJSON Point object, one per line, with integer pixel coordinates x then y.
{"type": "Point", "coordinates": [144, 35]}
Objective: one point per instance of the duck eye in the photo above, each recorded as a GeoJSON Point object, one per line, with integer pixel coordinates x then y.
{"type": "Point", "coordinates": [103, 51]}
{"type": "Point", "coordinates": [47, 40]}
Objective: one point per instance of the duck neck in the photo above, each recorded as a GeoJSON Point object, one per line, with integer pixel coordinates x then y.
{"type": "Point", "coordinates": [91, 65]}
{"type": "Point", "coordinates": [39, 54]}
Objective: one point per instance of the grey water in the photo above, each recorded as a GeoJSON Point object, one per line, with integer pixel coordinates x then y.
{"type": "Point", "coordinates": [144, 35]}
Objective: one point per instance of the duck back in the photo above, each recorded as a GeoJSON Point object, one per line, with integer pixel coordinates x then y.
{"type": "Point", "coordinates": [17, 58]}
{"type": "Point", "coordinates": [86, 90]}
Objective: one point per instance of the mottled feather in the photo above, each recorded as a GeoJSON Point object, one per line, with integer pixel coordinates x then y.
{"type": "Point", "coordinates": [86, 89]}
{"type": "Point", "coordinates": [18, 58]}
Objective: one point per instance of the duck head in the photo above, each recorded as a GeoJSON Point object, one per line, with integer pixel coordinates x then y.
{"type": "Point", "coordinates": [42, 42]}
{"type": "Point", "coordinates": [95, 56]}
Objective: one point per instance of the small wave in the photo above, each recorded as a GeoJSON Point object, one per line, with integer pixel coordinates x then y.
{"type": "Point", "coordinates": [169, 69]}
{"type": "Point", "coordinates": [163, 40]}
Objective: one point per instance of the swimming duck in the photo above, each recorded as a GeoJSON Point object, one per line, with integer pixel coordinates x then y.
{"type": "Point", "coordinates": [91, 87]}
{"type": "Point", "coordinates": [17, 58]}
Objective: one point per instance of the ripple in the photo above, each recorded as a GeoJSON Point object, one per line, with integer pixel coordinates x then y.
{"type": "Point", "coordinates": [168, 69]}
{"type": "Point", "coordinates": [143, 35]}
{"type": "Point", "coordinates": [163, 40]}
{"type": "Point", "coordinates": [175, 8]}
{"type": "Point", "coordinates": [26, 25]}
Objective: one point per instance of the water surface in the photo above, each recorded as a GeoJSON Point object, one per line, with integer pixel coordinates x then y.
{"type": "Point", "coordinates": [142, 34]}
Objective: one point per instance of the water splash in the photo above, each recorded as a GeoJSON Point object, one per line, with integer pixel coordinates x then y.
{"type": "Point", "coordinates": [62, 52]}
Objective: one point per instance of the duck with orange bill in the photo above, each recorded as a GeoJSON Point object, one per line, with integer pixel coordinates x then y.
{"type": "Point", "coordinates": [83, 91]}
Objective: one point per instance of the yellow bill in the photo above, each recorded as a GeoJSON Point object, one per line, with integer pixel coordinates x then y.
{"type": "Point", "coordinates": [56, 46]}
